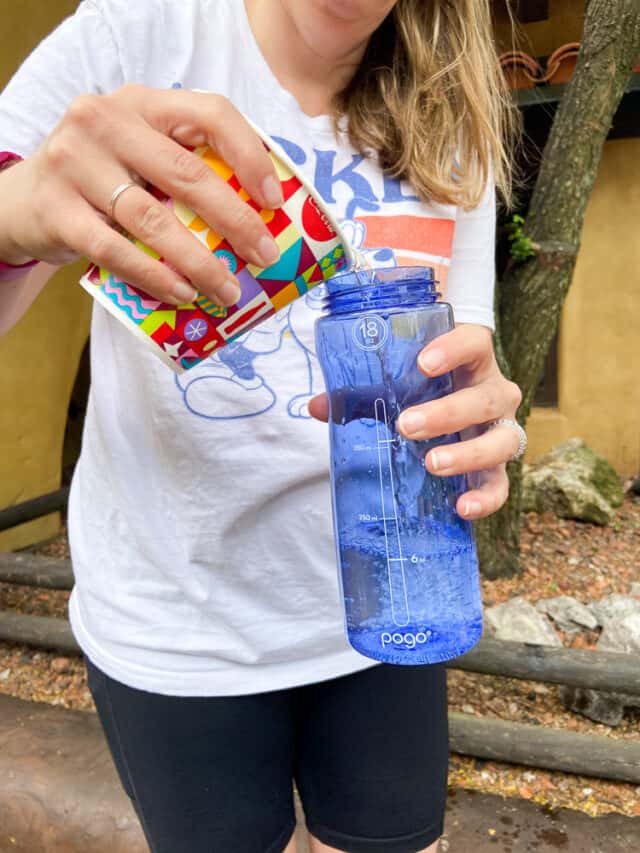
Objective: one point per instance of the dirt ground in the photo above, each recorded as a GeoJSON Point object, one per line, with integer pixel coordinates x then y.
{"type": "Point", "coordinates": [559, 557]}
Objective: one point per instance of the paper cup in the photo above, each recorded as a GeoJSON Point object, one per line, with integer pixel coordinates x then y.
{"type": "Point", "coordinates": [312, 250]}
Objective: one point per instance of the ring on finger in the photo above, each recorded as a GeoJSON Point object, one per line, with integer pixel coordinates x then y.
{"type": "Point", "coordinates": [522, 436]}
{"type": "Point", "coordinates": [119, 190]}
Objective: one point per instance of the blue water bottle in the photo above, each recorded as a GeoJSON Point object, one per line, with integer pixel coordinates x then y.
{"type": "Point", "coordinates": [408, 568]}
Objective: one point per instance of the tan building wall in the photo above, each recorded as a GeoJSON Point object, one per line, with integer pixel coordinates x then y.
{"type": "Point", "coordinates": [599, 347]}
{"type": "Point", "coordinates": [541, 38]}
{"type": "Point", "coordinates": [40, 356]}
{"type": "Point", "coordinates": [599, 344]}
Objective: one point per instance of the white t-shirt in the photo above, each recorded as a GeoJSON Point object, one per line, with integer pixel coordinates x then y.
{"type": "Point", "coordinates": [200, 514]}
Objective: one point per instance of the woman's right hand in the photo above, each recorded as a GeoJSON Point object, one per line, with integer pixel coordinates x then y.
{"type": "Point", "coordinates": [60, 195]}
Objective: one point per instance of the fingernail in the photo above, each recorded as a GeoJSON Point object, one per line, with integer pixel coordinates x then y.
{"type": "Point", "coordinates": [411, 422]}
{"type": "Point", "coordinates": [272, 192]}
{"type": "Point", "coordinates": [471, 508]}
{"type": "Point", "coordinates": [431, 360]}
{"type": "Point", "coordinates": [268, 251]}
{"type": "Point", "coordinates": [441, 459]}
{"type": "Point", "coordinates": [184, 293]}
{"type": "Point", "coordinates": [229, 292]}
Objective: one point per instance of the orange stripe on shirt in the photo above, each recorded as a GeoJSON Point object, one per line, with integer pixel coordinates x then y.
{"type": "Point", "coordinates": [412, 233]}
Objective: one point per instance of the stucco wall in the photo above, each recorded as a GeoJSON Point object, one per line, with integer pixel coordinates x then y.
{"type": "Point", "coordinates": [40, 356]}
{"type": "Point", "coordinates": [599, 354]}
{"type": "Point", "coordinates": [599, 349]}
{"type": "Point", "coordinates": [541, 38]}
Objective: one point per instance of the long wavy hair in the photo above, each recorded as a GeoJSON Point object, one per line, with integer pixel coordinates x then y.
{"type": "Point", "coordinates": [431, 100]}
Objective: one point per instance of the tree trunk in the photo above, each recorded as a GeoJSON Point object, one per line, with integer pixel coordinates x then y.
{"type": "Point", "coordinates": [531, 294]}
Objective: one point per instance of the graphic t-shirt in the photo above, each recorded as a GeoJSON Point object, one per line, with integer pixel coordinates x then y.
{"type": "Point", "coordinates": [200, 512]}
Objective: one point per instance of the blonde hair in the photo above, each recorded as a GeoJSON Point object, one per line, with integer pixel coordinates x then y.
{"type": "Point", "coordinates": [431, 100]}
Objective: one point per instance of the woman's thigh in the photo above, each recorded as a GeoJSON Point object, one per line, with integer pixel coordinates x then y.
{"type": "Point", "coordinates": [372, 758]}
{"type": "Point", "coordinates": [204, 774]}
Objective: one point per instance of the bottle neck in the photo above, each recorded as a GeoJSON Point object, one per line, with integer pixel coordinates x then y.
{"type": "Point", "coordinates": [373, 290]}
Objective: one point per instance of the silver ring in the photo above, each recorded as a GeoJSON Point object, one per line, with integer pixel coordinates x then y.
{"type": "Point", "coordinates": [522, 436]}
{"type": "Point", "coordinates": [119, 190]}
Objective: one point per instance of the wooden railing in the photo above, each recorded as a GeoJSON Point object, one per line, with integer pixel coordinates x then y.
{"type": "Point", "coordinates": [537, 746]}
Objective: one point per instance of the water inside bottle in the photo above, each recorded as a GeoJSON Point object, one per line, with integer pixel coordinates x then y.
{"type": "Point", "coordinates": [404, 552]}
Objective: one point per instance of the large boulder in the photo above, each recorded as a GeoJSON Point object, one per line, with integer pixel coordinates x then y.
{"type": "Point", "coordinates": [620, 634]}
{"type": "Point", "coordinates": [568, 613]}
{"type": "Point", "coordinates": [614, 608]}
{"type": "Point", "coordinates": [572, 482]}
{"type": "Point", "coordinates": [518, 620]}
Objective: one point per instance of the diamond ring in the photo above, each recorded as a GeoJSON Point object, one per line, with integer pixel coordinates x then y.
{"type": "Point", "coordinates": [522, 436]}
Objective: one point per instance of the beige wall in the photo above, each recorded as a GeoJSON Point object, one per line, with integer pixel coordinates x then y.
{"type": "Point", "coordinates": [40, 356]}
{"type": "Point", "coordinates": [599, 353]}
{"type": "Point", "coordinates": [541, 38]}
{"type": "Point", "coordinates": [599, 347]}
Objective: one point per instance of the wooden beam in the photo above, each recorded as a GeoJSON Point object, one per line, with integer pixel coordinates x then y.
{"type": "Point", "coordinates": [612, 671]}
{"type": "Point", "coordinates": [29, 510]}
{"type": "Point", "coordinates": [552, 749]}
{"type": "Point", "coordinates": [35, 570]}
{"type": "Point", "coordinates": [42, 632]}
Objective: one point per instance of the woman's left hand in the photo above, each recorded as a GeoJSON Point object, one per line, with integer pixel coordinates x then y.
{"type": "Point", "coordinates": [482, 395]}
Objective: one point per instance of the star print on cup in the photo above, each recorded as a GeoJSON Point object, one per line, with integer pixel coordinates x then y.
{"type": "Point", "coordinates": [196, 329]}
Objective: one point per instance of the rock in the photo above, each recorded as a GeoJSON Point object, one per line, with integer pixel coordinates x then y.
{"type": "Point", "coordinates": [568, 613]}
{"type": "Point", "coordinates": [597, 705]}
{"type": "Point", "coordinates": [635, 486]}
{"type": "Point", "coordinates": [620, 616]}
{"type": "Point", "coordinates": [621, 635]}
{"type": "Point", "coordinates": [61, 665]}
{"type": "Point", "coordinates": [573, 482]}
{"type": "Point", "coordinates": [518, 620]}
{"type": "Point", "coordinates": [614, 607]}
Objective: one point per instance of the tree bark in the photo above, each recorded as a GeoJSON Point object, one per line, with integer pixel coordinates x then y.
{"type": "Point", "coordinates": [531, 294]}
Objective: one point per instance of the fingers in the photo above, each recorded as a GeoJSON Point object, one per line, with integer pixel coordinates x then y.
{"type": "Point", "coordinates": [478, 404]}
{"type": "Point", "coordinates": [494, 447]}
{"type": "Point", "coordinates": [183, 175]}
{"type": "Point", "coordinates": [468, 346]}
{"type": "Point", "coordinates": [491, 494]}
{"type": "Point", "coordinates": [195, 118]}
{"type": "Point", "coordinates": [81, 226]}
{"type": "Point", "coordinates": [157, 227]}
{"type": "Point", "coordinates": [319, 407]}
{"type": "Point", "coordinates": [104, 139]}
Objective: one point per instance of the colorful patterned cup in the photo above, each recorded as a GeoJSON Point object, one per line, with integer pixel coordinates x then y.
{"type": "Point", "coordinates": [312, 251]}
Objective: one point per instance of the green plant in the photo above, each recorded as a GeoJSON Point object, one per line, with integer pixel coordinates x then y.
{"type": "Point", "coordinates": [522, 247]}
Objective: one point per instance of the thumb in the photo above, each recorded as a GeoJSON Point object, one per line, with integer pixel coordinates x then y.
{"type": "Point", "coordinates": [319, 407]}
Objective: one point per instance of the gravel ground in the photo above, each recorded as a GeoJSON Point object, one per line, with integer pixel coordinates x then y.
{"type": "Point", "coordinates": [559, 557]}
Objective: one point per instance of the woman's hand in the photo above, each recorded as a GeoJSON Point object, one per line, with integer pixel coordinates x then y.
{"type": "Point", "coordinates": [483, 395]}
{"type": "Point", "coordinates": [59, 196]}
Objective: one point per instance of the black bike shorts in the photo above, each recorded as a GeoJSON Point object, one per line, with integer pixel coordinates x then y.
{"type": "Point", "coordinates": [368, 753]}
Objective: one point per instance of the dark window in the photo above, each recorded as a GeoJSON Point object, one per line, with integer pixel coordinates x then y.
{"type": "Point", "coordinates": [547, 390]}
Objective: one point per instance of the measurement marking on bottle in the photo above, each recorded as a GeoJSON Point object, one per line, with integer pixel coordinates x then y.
{"type": "Point", "coordinates": [396, 576]}
{"type": "Point", "coordinates": [364, 516]}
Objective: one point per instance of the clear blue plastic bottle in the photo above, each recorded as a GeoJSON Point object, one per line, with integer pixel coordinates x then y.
{"type": "Point", "coordinates": [407, 560]}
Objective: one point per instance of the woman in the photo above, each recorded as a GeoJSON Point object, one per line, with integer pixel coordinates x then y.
{"type": "Point", "coordinates": [206, 599]}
